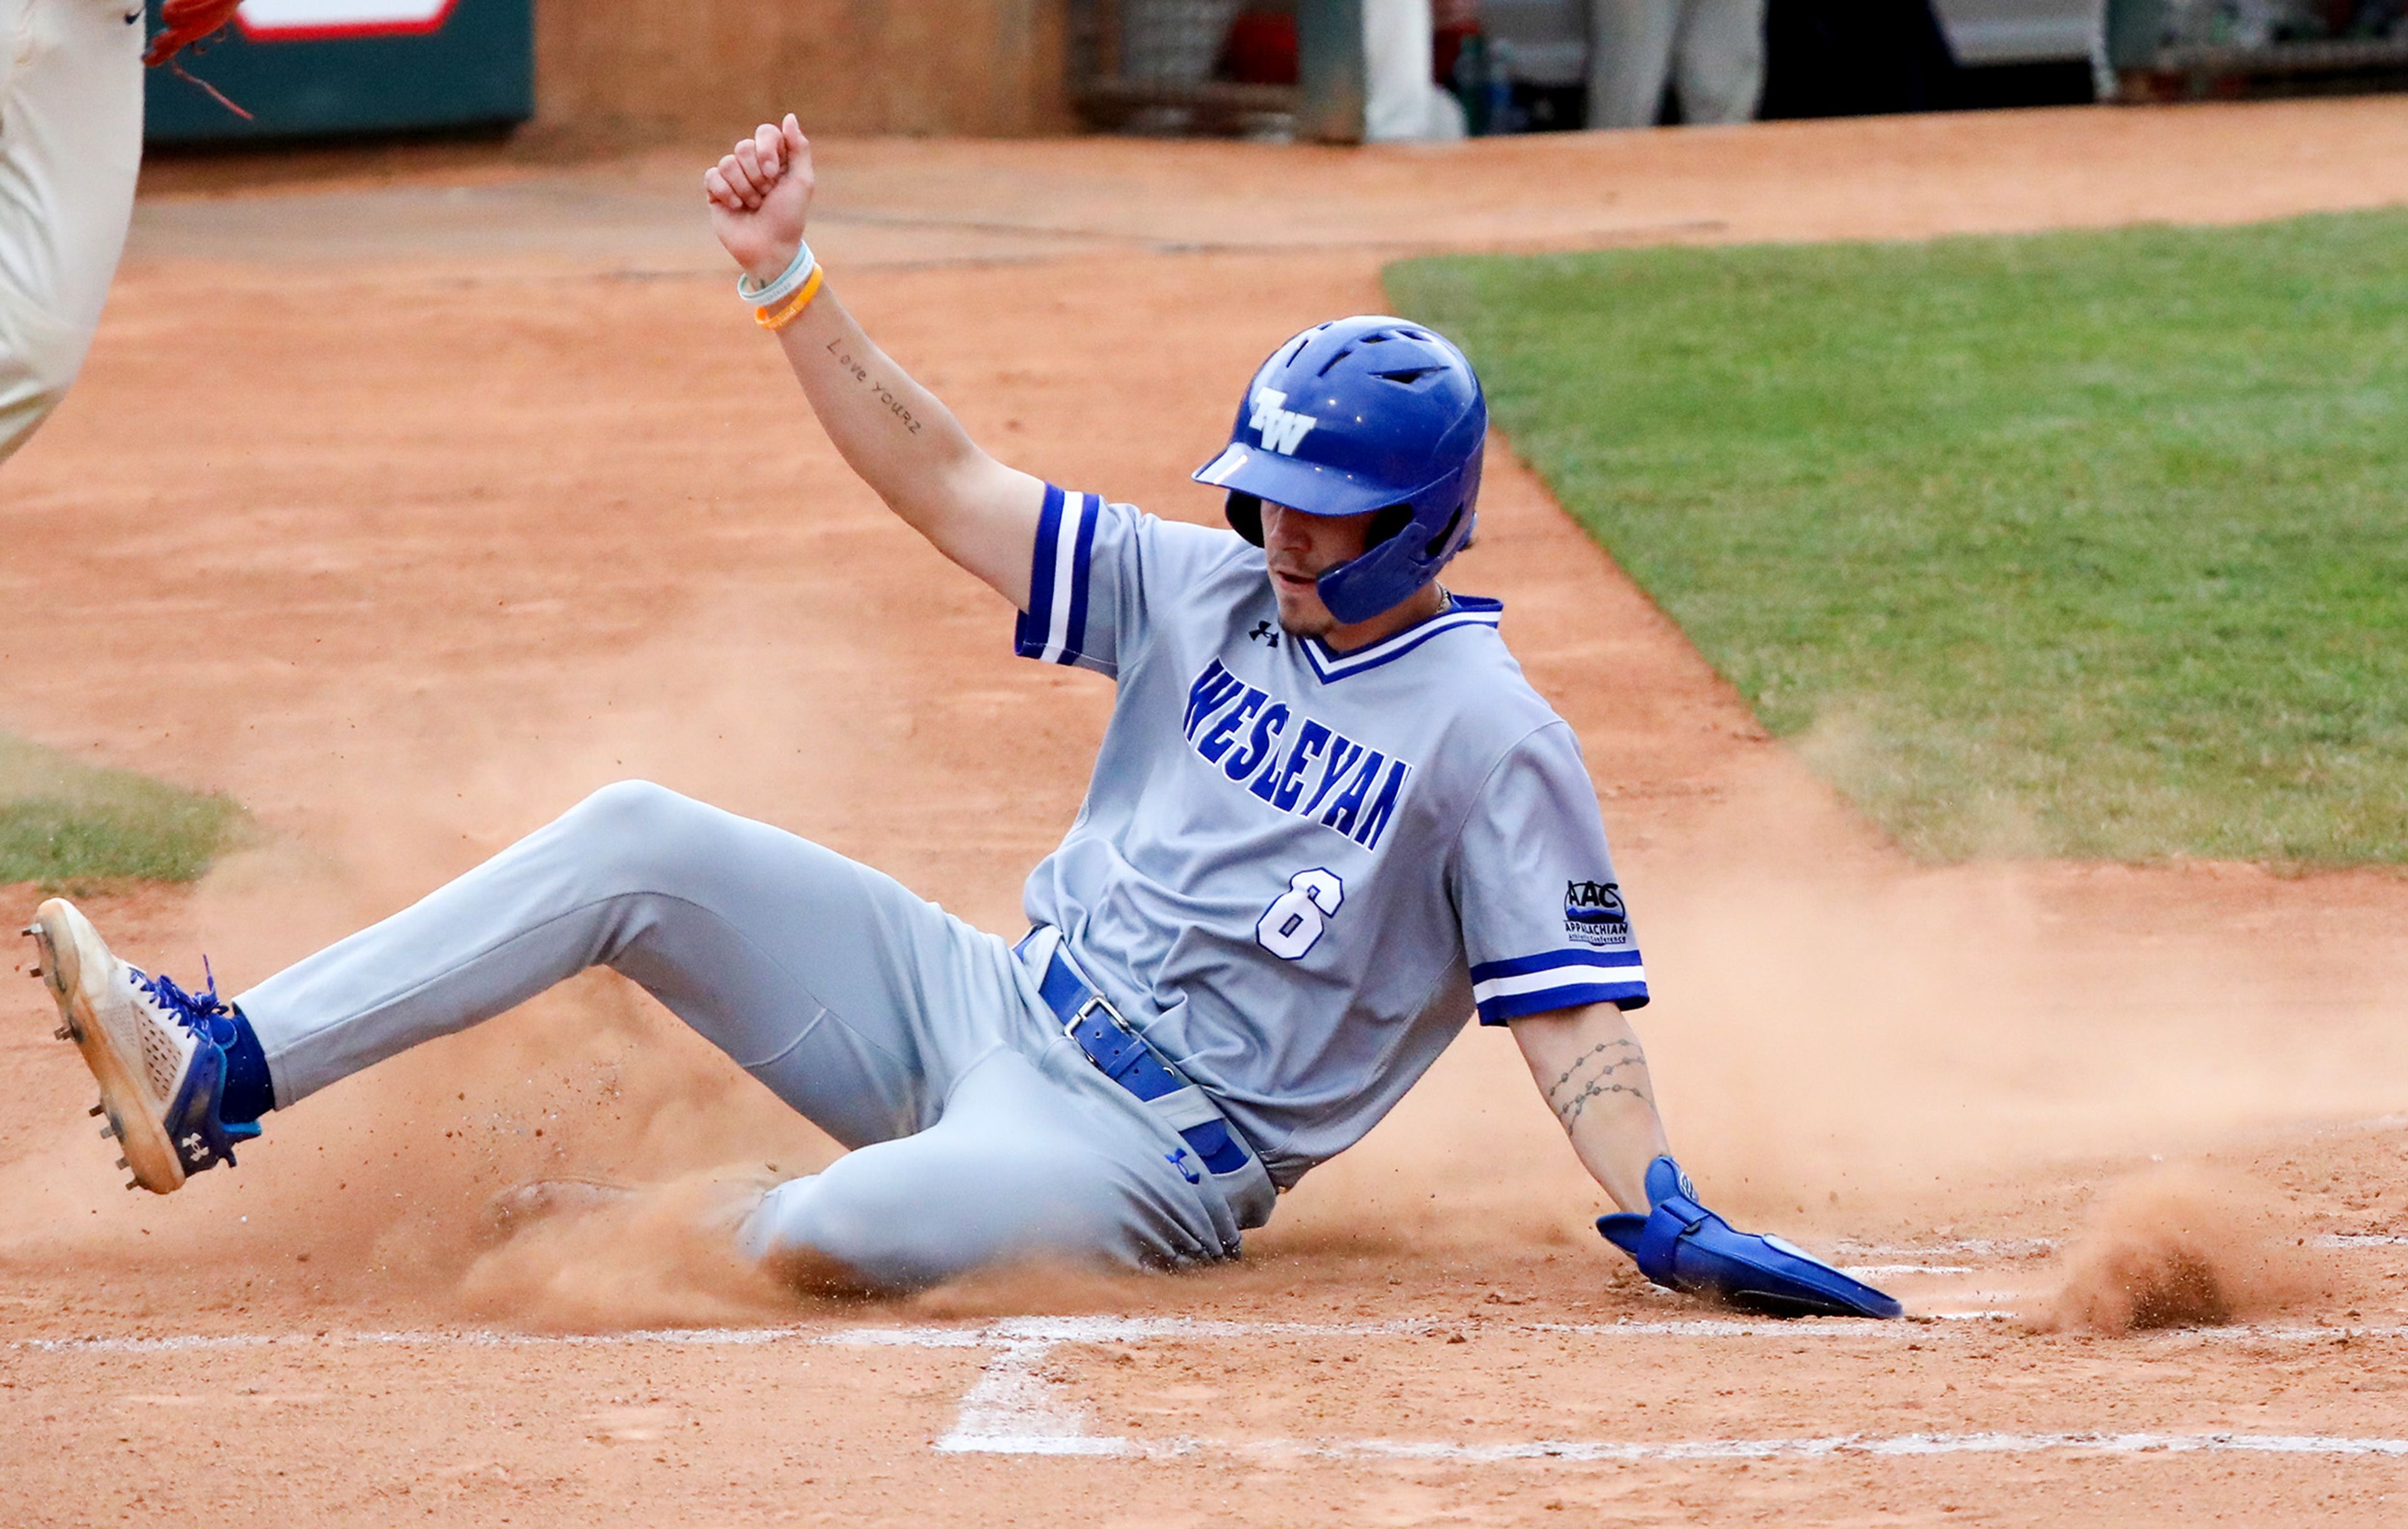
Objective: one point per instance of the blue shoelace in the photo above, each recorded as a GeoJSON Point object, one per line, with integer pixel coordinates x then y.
{"type": "Point", "coordinates": [206, 1015]}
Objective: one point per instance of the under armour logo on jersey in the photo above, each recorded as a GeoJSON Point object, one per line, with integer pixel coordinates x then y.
{"type": "Point", "coordinates": [1282, 429]}
{"type": "Point", "coordinates": [1263, 632]}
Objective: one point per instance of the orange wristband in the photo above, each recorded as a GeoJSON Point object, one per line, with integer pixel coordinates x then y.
{"type": "Point", "coordinates": [774, 319]}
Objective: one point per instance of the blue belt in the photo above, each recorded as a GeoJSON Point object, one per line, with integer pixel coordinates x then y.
{"type": "Point", "coordinates": [1121, 1054]}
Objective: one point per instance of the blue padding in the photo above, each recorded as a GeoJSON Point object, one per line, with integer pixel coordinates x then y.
{"type": "Point", "coordinates": [250, 1091]}
{"type": "Point", "coordinates": [1682, 1246]}
{"type": "Point", "coordinates": [203, 1136]}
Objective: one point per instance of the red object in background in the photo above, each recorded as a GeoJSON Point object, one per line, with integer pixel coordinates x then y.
{"type": "Point", "coordinates": [1446, 46]}
{"type": "Point", "coordinates": [1260, 49]}
{"type": "Point", "coordinates": [1261, 46]}
{"type": "Point", "coordinates": [1453, 22]}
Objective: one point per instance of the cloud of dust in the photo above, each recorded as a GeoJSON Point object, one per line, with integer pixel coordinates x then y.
{"type": "Point", "coordinates": [376, 1189]}
{"type": "Point", "coordinates": [659, 1255]}
{"type": "Point", "coordinates": [1053, 1287]}
{"type": "Point", "coordinates": [1847, 745]}
{"type": "Point", "coordinates": [2178, 1246]}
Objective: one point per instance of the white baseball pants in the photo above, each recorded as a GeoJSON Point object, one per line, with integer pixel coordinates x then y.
{"type": "Point", "coordinates": [981, 1135]}
{"type": "Point", "coordinates": [1401, 102]}
{"type": "Point", "coordinates": [70, 147]}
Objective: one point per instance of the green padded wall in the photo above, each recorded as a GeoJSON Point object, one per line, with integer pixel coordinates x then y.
{"type": "Point", "coordinates": [309, 68]}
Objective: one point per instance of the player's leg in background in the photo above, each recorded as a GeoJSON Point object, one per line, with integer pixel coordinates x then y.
{"type": "Point", "coordinates": [1629, 54]}
{"type": "Point", "coordinates": [70, 148]}
{"type": "Point", "coordinates": [1401, 102]}
{"type": "Point", "coordinates": [1037, 1157]}
{"type": "Point", "coordinates": [1720, 59]}
{"type": "Point", "coordinates": [853, 1000]}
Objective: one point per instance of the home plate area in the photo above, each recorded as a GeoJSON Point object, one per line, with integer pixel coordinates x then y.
{"type": "Point", "coordinates": [1154, 1387]}
{"type": "Point", "coordinates": [1484, 1386]}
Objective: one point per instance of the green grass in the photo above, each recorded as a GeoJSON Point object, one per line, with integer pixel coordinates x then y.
{"type": "Point", "coordinates": [2088, 545]}
{"type": "Point", "coordinates": [65, 824]}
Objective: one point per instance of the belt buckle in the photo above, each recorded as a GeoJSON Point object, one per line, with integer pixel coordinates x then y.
{"type": "Point", "coordinates": [1079, 1015]}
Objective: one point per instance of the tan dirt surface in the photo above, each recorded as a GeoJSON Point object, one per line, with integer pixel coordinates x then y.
{"type": "Point", "coordinates": [413, 497]}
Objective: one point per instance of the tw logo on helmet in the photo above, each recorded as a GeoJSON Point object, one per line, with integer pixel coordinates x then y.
{"type": "Point", "coordinates": [1279, 428]}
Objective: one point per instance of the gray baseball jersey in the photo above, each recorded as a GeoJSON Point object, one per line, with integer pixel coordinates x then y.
{"type": "Point", "coordinates": [1299, 871]}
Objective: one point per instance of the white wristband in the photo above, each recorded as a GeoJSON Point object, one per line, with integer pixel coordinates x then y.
{"type": "Point", "coordinates": [787, 284]}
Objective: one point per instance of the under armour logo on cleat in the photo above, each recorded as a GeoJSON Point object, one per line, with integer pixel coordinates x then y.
{"type": "Point", "coordinates": [1179, 1159]}
{"type": "Point", "coordinates": [195, 1148]}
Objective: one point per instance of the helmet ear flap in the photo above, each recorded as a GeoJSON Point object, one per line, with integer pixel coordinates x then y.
{"type": "Point", "coordinates": [1245, 512]}
{"type": "Point", "coordinates": [1439, 547]}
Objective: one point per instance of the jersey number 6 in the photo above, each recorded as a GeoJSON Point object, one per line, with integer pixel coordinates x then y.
{"type": "Point", "coordinates": [1294, 921]}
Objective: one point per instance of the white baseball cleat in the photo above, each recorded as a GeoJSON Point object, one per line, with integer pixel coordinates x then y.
{"type": "Point", "coordinates": [156, 1051]}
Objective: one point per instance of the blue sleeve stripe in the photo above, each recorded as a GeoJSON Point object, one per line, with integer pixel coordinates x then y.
{"type": "Point", "coordinates": [1081, 558]}
{"type": "Point", "coordinates": [1489, 971]}
{"type": "Point", "coordinates": [1032, 634]}
{"type": "Point", "coordinates": [1514, 1006]}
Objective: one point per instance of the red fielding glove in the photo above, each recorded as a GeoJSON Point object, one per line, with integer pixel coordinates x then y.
{"type": "Point", "coordinates": [185, 22]}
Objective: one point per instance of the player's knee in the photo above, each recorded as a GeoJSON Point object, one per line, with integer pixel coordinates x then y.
{"type": "Point", "coordinates": [48, 373]}
{"type": "Point", "coordinates": [39, 365]}
{"type": "Point", "coordinates": [632, 805]}
{"type": "Point", "coordinates": [820, 1233]}
{"type": "Point", "coordinates": [633, 833]}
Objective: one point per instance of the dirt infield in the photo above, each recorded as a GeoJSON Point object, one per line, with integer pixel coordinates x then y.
{"type": "Point", "coordinates": [413, 498]}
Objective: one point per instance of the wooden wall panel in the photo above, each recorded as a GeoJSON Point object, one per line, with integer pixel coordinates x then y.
{"type": "Point", "coordinates": [657, 68]}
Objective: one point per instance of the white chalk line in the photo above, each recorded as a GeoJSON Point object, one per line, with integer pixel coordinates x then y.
{"type": "Point", "coordinates": [1013, 1330]}
{"type": "Point", "coordinates": [1951, 1247]}
{"type": "Point", "coordinates": [1015, 1407]}
{"type": "Point", "coordinates": [1105, 1329]}
{"type": "Point", "coordinates": [2035, 1247]}
{"type": "Point", "coordinates": [1027, 1329]}
{"type": "Point", "coordinates": [1843, 1446]}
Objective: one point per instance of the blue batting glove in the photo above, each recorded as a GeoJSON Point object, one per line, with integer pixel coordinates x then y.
{"type": "Point", "coordinates": [1682, 1246]}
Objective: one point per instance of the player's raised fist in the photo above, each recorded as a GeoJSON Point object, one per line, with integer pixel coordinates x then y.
{"type": "Point", "coordinates": [760, 195]}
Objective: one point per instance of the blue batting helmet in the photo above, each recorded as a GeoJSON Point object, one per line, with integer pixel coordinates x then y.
{"type": "Point", "coordinates": [1368, 413]}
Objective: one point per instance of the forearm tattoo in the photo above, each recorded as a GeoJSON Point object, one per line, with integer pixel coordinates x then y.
{"type": "Point", "coordinates": [1591, 1077]}
{"type": "Point", "coordinates": [861, 375]}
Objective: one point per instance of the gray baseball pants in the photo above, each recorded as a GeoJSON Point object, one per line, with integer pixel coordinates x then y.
{"type": "Point", "coordinates": [979, 1134]}
{"type": "Point", "coordinates": [1714, 50]}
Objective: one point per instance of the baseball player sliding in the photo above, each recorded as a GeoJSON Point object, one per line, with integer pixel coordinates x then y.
{"type": "Point", "coordinates": [1329, 822]}
{"type": "Point", "coordinates": [70, 146]}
